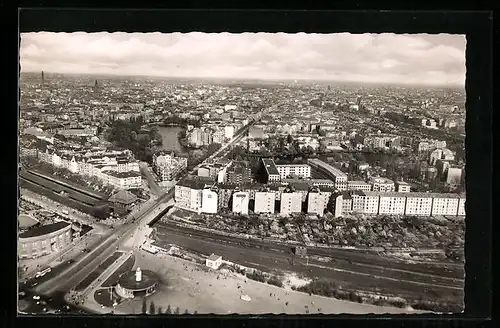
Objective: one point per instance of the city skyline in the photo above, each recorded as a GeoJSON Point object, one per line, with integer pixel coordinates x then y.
{"type": "Point", "coordinates": [351, 58]}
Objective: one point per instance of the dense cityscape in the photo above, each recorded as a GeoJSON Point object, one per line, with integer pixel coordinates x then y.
{"type": "Point", "coordinates": [261, 194]}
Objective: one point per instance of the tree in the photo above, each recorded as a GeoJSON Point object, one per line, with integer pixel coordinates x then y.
{"type": "Point", "coordinates": [159, 310]}
{"type": "Point", "coordinates": [195, 312]}
{"type": "Point", "coordinates": [168, 310]}
{"type": "Point", "coordinates": [289, 139]}
{"type": "Point", "coordinates": [144, 306]}
{"type": "Point", "coordinates": [177, 310]}
{"type": "Point", "coordinates": [186, 311]}
{"type": "Point", "coordinates": [152, 308]}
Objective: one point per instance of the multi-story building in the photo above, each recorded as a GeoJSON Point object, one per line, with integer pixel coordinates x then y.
{"type": "Point", "coordinates": [168, 166]}
{"type": "Point", "coordinates": [382, 184]}
{"type": "Point", "coordinates": [299, 170]}
{"type": "Point", "coordinates": [365, 201]}
{"type": "Point", "coordinates": [189, 193]}
{"type": "Point", "coordinates": [454, 176]}
{"type": "Point", "coordinates": [209, 202]}
{"type": "Point", "coordinates": [225, 193]}
{"type": "Point", "coordinates": [291, 202]}
{"type": "Point", "coordinates": [123, 180]}
{"type": "Point", "coordinates": [445, 204]}
{"type": "Point", "coordinates": [392, 203]}
{"type": "Point", "coordinates": [264, 202]}
{"type": "Point", "coordinates": [241, 201]}
{"type": "Point", "coordinates": [270, 171]}
{"type": "Point", "coordinates": [239, 173]}
{"type": "Point", "coordinates": [419, 204]}
{"type": "Point", "coordinates": [336, 175]}
{"type": "Point", "coordinates": [346, 202]}
{"type": "Point", "coordinates": [402, 186]}
{"type": "Point", "coordinates": [358, 185]}
{"type": "Point", "coordinates": [337, 202]}
{"type": "Point", "coordinates": [44, 240]}
{"type": "Point", "coordinates": [317, 202]}
{"type": "Point", "coordinates": [461, 206]}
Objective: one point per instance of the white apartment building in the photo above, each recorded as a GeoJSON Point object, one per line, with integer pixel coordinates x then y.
{"type": "Point", "coordinates": [188, 195]}
{"type": "Point", "coordinates": [209, 201]}
{"type": "Point", "coordinates": [264, 202]}
{"type": "Point", "coordinates": [365, 202]}
{"type": "Point", "coordinates": [402, 186]}
{"type": "Point", "coordinates": [382, 184]}
{"type": "Point", "coordinates": [358, 185]}
{"type": "Point", "coordinates": [241, 200]}
{"type": "Point", "coordinates": [316, 203]}
{"type": "Point", "coordinates": [291, 202]}
{"type": "Point", "coordinates": [419, 204]}
{"type": "Point", "coordinates": [461, 207]}
{"type": "Point", "coordinates": [122, 180]}
{"type": "Point", "coordinates": [300, 170]}
{"type": "Point", "coordinates": [445, 204]}
{"type": "Point", "coordinates": [392, 203]}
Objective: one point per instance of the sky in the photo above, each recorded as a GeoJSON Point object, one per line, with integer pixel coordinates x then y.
{"type": "Point", "coordinates": [429, 59]}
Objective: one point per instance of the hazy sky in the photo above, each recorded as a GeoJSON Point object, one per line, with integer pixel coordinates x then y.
{"type": "Point", "coordinates": [386, 58]}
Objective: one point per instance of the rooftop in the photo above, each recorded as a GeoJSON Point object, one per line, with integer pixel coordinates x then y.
{"type": "Point", "coordinates": [44, 230]}
{"type": "Point", "coordinates": [214, 257]}
{"type": "Point", "coordinates": [123, 197]}
{"type": "Point", "coordinates": [332, 170]}
{"type": "Point", "coordinates": [270, 166]}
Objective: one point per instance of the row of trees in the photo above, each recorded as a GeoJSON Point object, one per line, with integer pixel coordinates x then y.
{"type": "Point", "coordinates": [177, 120]}
{"type": "Point", "coordinates": [152, 309]}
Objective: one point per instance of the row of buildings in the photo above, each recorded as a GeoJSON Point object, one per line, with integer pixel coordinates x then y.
{"type": "Point", "coordinates": [114, 167]}
{"type": "Point", "coordinates": [204, 136]}
{"type": "Point", "coordinates": [203, 195]}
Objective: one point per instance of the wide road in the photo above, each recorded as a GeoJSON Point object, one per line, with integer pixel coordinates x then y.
{"type": "Point", "coordinates": [102, 250]}
{"type": "Point", "coordinates": [350, 275]}
{"type": "Point", "coordinates": [111, 242]}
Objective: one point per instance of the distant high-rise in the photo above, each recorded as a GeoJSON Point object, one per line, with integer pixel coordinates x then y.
{"type": "Point", "coordinates": [43, 80]}
{"type": "Point", "coordinates": [95, 84]}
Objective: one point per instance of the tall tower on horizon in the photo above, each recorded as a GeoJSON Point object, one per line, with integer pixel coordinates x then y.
{"type": "Point", "coordinates": [43, 79]}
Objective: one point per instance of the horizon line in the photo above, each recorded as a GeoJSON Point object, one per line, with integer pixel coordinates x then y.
{"type": "Point", "coordinates": [263, 79]}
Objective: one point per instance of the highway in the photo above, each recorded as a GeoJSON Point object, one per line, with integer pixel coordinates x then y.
{"type": "Point", "coordinates": [100, 252]}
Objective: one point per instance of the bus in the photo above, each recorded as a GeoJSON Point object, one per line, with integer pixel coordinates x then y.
{"type": "Point", "coordinates": [43, 272]}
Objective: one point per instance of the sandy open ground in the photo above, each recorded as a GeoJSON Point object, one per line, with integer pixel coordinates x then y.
{"type": "Point", "coordinates": [193, 287]}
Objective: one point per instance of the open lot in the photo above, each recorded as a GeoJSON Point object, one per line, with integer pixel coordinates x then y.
{"type": "Point", "coordinates": [194, 288]}
{"type": "Point", "coordinates": [375, 278]}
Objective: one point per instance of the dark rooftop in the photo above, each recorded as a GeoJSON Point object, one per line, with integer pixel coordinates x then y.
{"type": "Point", "coordinates": [43, 230]}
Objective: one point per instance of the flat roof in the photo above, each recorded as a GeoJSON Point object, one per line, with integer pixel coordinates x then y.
{"type": "Point", "coordinates": [359, 182]}
{"type": "Point", "coordinates": [214, 257]}
{"type": "Point", "coordinates": [44, 230]}
{"type": "Point", "coordinates": [270, 166]}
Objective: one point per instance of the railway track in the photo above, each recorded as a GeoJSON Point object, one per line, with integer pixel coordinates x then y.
{"type": "Point", "coordinates": [49, 185]}
{"type": "Point", "coordinates": [66, 185]}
